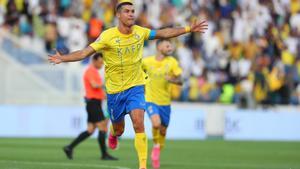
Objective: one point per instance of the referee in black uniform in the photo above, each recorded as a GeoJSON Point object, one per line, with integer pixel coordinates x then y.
{"type": "Point", "coordinates": [94, 95]}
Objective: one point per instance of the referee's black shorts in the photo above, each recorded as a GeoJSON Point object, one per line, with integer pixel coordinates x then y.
{"type": "Point", "coordinates": [94, 110]}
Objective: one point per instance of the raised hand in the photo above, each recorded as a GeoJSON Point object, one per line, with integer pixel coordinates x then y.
{"type": "Point", "coordinates": [199, 26]}
{"type": "Point", "coordinates": [56, 58]}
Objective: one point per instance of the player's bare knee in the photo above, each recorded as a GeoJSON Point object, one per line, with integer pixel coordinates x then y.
{"type": "Point", "coordinates": [90, 130]}
{"type": "Point", "coordinates": [102, 126]}
{"type": "Point", "coordinates": [105, 129]}
{"type": "Point", "coordinates": [156, 125]}
{"type": "Point", "coordinates": [139, 128]}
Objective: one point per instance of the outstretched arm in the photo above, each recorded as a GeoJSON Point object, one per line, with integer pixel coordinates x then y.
{"type": "Point", "coordinates": [174, 32]}
{"type": "Point", "coordinates": [57, 58]}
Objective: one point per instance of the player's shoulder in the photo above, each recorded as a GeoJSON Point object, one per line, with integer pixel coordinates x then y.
{"type": "Point", "coordinates": [140, 28]}
{"type": "Point", "coordinates": [112, 29]}
{"type": "Point", "coordinates": [137, 27]}
{"type": "Point", "coordinates": [148, 58]}
{"type": "Point", "coordinates": [108, 32]}
{"type": "Point", "coordinates": [171, 59]}
{"type": "Point", "coordinates": [87, 71]}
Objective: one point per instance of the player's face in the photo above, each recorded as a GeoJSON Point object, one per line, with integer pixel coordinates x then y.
{"type": "Point", "coordinates": [98, 63]}
{"type": "Point", "coordinates": [126, 15]}
{"type": "Point", "coordinates": [166, 48]}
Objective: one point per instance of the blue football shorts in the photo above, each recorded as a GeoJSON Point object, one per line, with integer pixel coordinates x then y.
{"type": "Point", "coordinates": [122, 103]}
{"type": "Point", "coordinates": [163, 111]}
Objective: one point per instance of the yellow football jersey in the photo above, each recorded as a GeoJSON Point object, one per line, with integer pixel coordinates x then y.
{"type": "Point", "coordinates": [122, 57]}
{"type": "Point", "coordinates": [158, 89]}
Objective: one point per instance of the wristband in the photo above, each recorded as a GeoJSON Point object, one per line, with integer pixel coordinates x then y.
{"type": "Point", "coordinates": [187, 29]}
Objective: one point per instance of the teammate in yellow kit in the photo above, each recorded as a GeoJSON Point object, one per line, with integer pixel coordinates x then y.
{"type": "Point", "coordinates": [122, 48]}
{"type": "Point", "coordinates": [162, 70]}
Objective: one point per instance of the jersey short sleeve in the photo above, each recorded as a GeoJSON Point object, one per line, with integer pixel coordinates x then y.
{"type": "Point", "coordinates": [100, 43]}
{"type": "Point", "coordinates": [176, 70]}
{"type": "Point", "coordinates": [146, 32]}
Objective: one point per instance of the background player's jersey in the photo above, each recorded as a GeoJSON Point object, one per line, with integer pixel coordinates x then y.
{"type": "Point", "coordinates": [158, 89]}
{"type": "Point", "coordinates": [122, 57]}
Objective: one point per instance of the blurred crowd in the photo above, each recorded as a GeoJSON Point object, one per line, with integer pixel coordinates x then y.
{"type": "Point", "coordinates": [250, 55]}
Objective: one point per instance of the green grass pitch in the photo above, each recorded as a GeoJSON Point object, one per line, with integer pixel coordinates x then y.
{"type": "Point", "coordinates": [47, 154]}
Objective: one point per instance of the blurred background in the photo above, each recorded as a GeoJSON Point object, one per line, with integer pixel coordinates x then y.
{"type": "Point", "coordinates": [249, 56]}
{"type": "Point", "coordinates": [247, 62]}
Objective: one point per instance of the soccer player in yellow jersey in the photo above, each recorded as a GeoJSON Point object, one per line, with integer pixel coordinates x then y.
{"type": "Point", "coordinates": [122, 48]}
{"type": "Point", "coordinates": [162, 70]}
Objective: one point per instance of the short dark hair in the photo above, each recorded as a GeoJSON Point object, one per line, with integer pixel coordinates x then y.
{"type": "Point", "coordinates": [159, 41]}
{"type": "Point", "coordinates": [119, 6]}
{"type": "Point", "coordinates": [96, 56]}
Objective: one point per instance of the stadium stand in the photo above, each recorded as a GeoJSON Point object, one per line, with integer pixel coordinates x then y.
{"type": "Point", "coordinates": [250, 54]}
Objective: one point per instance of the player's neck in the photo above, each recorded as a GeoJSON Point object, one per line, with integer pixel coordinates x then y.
{"type": "Point", "coordinates": [159, 57]}
{"type": "Point", "coordinates": [125, 29]}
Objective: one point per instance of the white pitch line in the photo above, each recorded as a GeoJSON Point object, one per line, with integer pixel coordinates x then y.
{"type": "Point", "coordinates": [63, 164]}
{"type": "Point", "coordinates": [235, 165]}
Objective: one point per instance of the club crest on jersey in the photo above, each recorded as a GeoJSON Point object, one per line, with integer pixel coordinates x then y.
{"type": "Point", "coordinates": [118, 41]}
{"type": "Point", "coordinates": [136, 36]}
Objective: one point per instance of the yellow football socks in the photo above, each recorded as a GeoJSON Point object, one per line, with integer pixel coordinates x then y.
{"type": "Point", "coordinates": [155, 134]}
{"type": "Point", "coordinates": [162, 140]}
{"type": "Point", "coordinates": [158, 138]}
{"type": "Point", "coordinates": [141, 146]}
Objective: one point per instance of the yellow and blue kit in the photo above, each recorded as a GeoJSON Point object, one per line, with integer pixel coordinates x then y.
{"type": "Point", "coordinates": [158, 89]}
{"type": "Point", "coordinates": [122, 54]}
